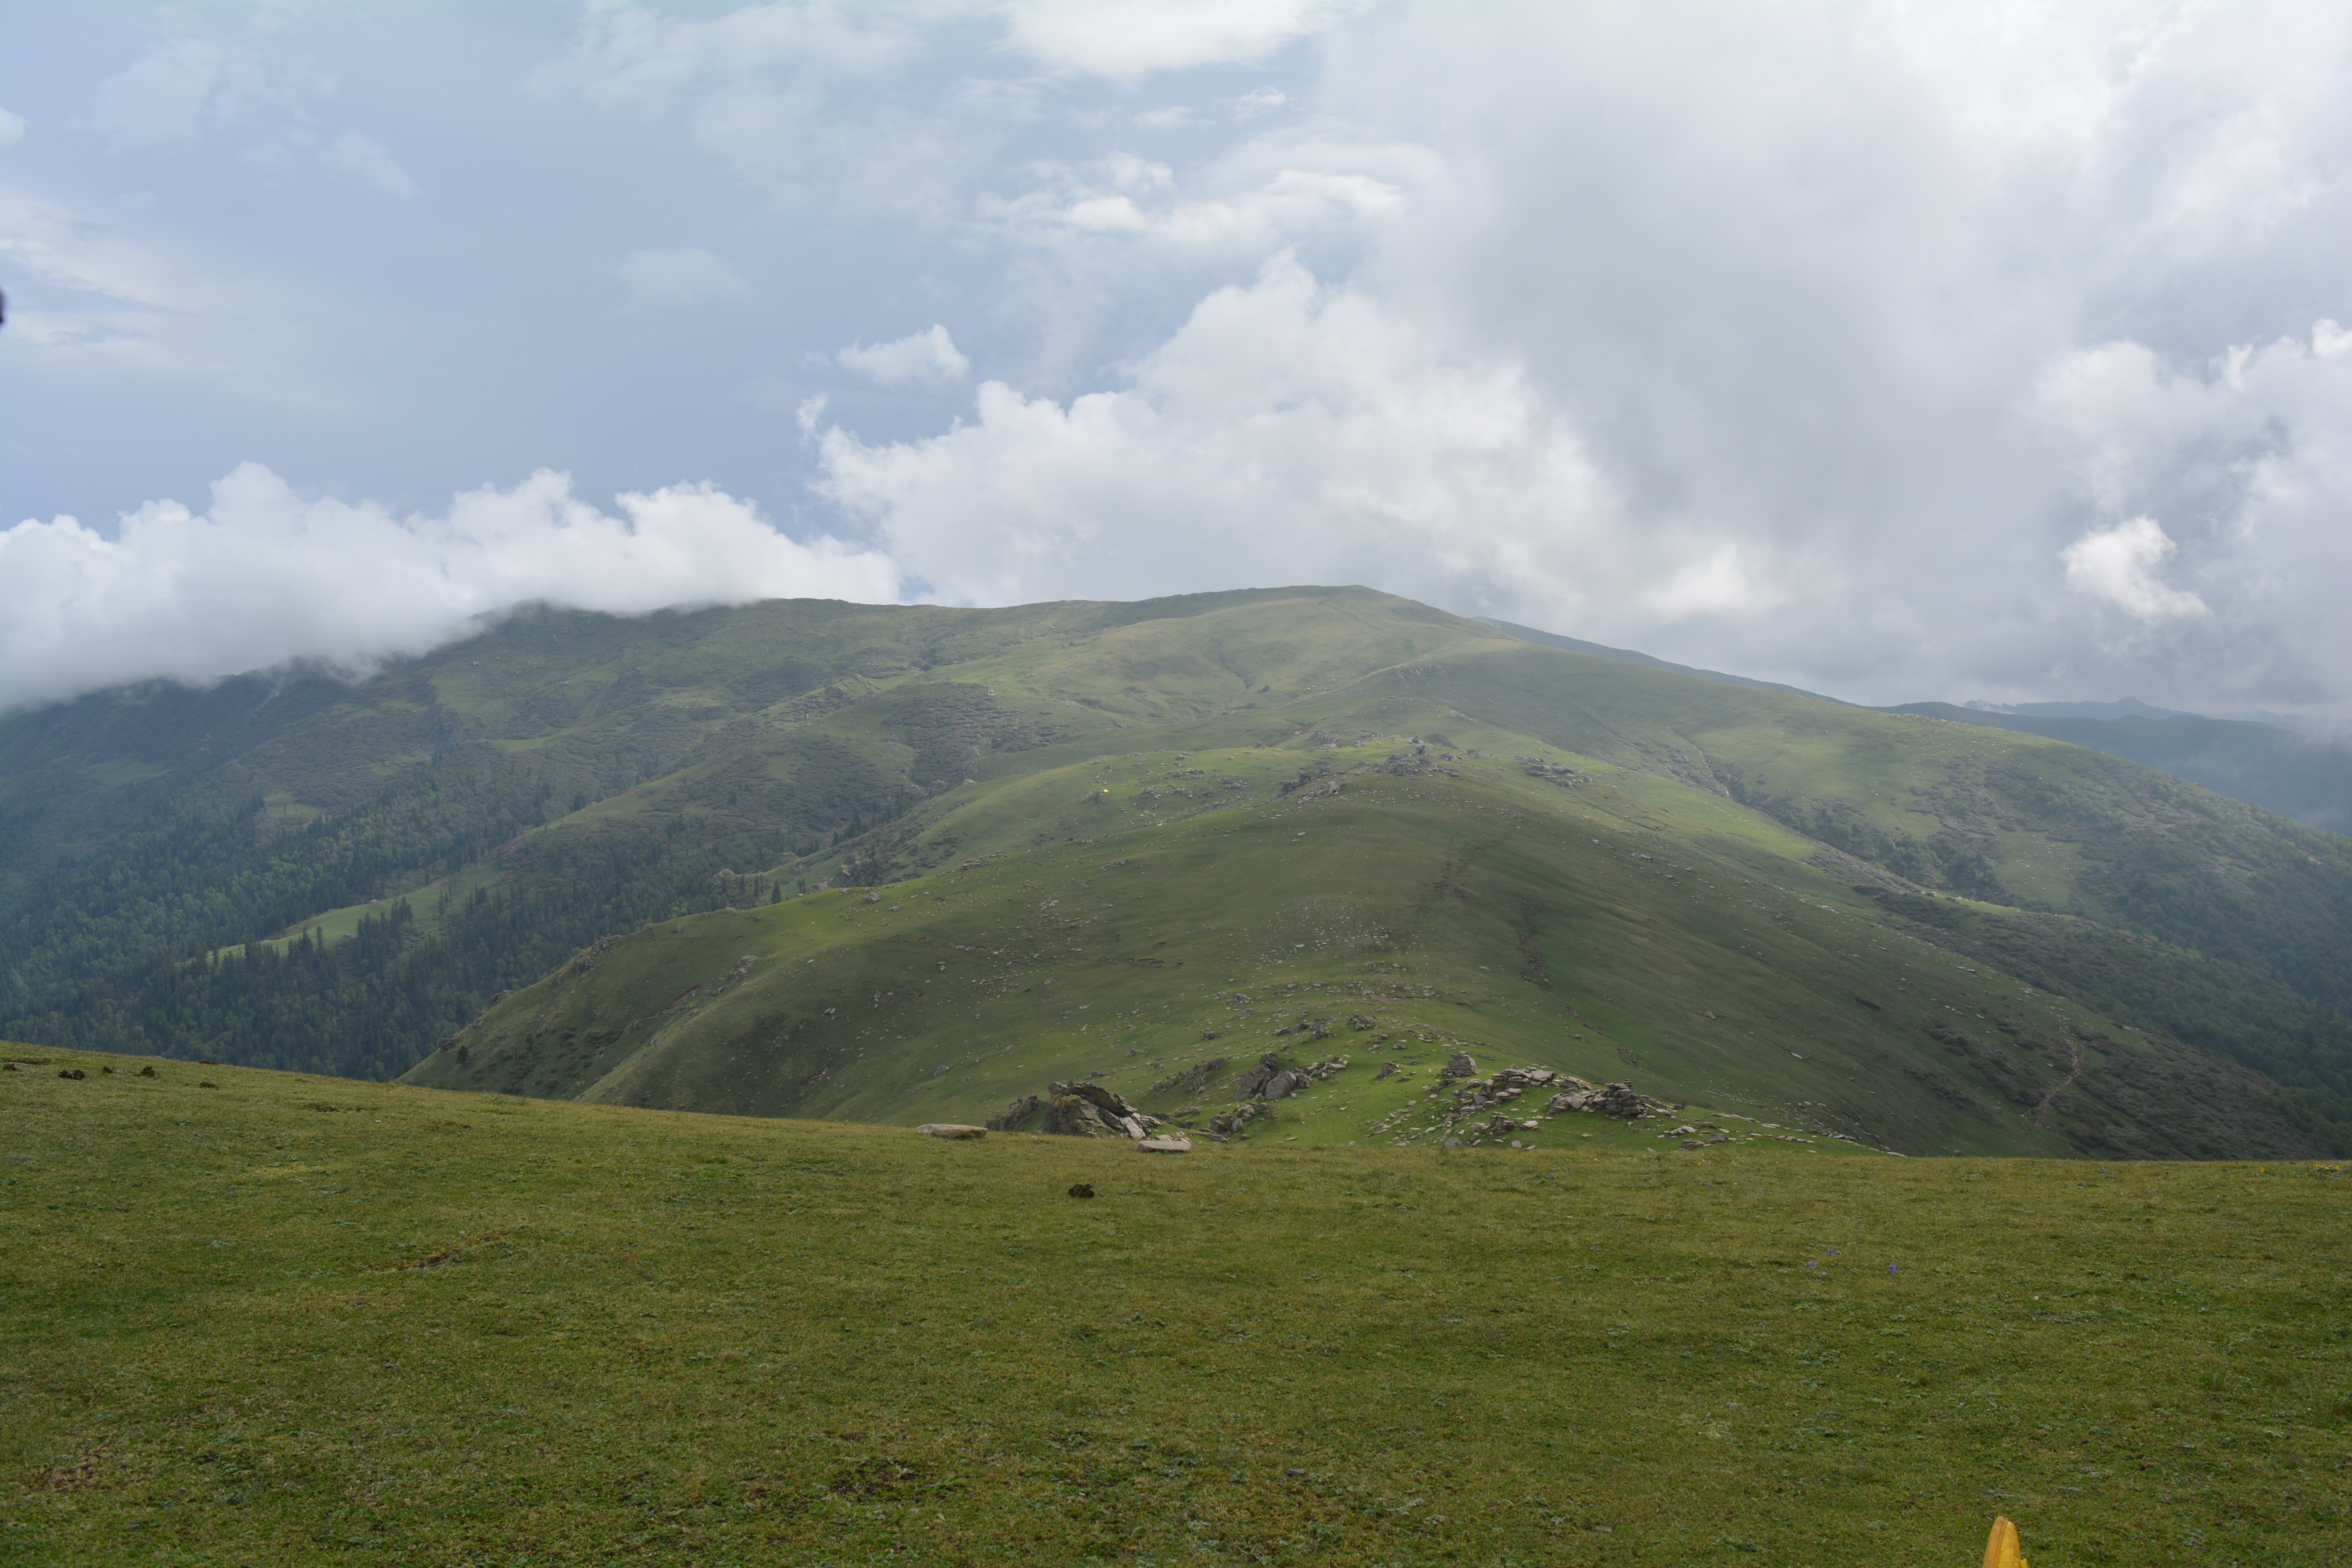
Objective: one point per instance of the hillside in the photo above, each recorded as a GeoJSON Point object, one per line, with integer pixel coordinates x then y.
{"type": "Point", "coordinates": [255, 1317]}
{"type": "Point", "coordinates": [2303, 776]}
{"type": "Point", "coordinates": [1918, 935]}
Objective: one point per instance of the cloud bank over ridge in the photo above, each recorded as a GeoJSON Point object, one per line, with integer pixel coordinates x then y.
{"type": "Point", "coordinates": [265, 576]}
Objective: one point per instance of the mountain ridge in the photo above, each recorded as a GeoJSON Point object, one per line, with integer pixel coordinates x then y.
{"type": "Point", "coordinates": [568, 779]}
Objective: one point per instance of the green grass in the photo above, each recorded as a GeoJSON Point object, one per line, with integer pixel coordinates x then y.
{"type": "Point", "coordinates": [651, 1337]}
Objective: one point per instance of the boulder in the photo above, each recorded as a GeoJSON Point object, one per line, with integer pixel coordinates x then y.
{"type": "Point", "coordinates": [1460, 1065]}
{"type": "Point", "coordinates": [1252, 1084]}
{"type": "Point", "coordinates": [951, 1130]}
{"type": "Point", "coordinates": [1164, 1145]}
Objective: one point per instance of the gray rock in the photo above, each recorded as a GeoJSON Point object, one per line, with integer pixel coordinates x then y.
{"type": "Point", "coordinates": [951, 1130]}
{"type": "Point", "coordinates": [1089, 1110]}
{"type": "Point", "coordinates": [1460, 1065]}
{"type": "Point", "coordinates": [1164, 1145]}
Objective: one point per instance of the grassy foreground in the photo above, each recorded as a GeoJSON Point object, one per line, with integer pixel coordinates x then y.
{"type": "Point", "coordinates": [290, 1321]}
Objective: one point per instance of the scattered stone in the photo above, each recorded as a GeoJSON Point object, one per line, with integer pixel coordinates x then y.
{"type": "Point", "coordinates": [1357, 1021]}
{"type": "Point", "coordinates": [951, 1130]}
{"type": "Point", "coordinates": [1387, 1069]}
{"type": "Point", "coordinates": [72, 1072]}
{"type": "Point", "coordinates": [1083, 1190]}
{"type": "Point", "coordinates": [1164, 1145]}
{"type": "Point", "coordinates": [1460, 1065]}
{"type": "Point", "coordinates": [206, 1083]}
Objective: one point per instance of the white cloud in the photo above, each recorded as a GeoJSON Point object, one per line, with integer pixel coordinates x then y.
{"type": "Point", "coordinates": [1128, 39]}
{"type": "Point", "coordinates": [12, 129]}
{"type": "Point", "coordinates": [1261, 198]}
{"type": "Point", "coordinates": [366, 160]}
{"type": "Point", "coordinates": [1907, 301]}
{"type": "Point", "coordinates": [266, 575]}
{"type": "Point", "coordinates": [920, 359]}
{"type": "Point", "coordinates": [679, 278]}
{"type": "Point", "coordinates": [2121, 564]}
{"type": "Point", "coordinates": [1284, 434]}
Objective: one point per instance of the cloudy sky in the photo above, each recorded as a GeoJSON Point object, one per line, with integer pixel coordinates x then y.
{"type": "Point", "coordinates": [1896, 350]}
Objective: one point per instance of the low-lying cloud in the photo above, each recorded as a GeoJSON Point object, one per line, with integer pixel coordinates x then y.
{"type": "Point", "coordinates": [266, 575]}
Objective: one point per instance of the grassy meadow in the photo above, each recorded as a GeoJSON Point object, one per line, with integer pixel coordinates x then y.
{"type": "Point", "coordinates": [260, 1317]}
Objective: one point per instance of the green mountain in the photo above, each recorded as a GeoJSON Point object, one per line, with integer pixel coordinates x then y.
{"type": "Point", "coordinates": [913, 863]}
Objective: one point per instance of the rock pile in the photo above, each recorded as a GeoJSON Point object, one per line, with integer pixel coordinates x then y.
{"type": "Point", "coordinates": [1256, 1090]}
{"type": "Point", "coordinates": [1476, 1111]}
{"type": "Point", "coordinates": [1090, 1111]}
{"type": "Point", "coordinates": [1617, 1099]}
{"type": "Point", "coordinates": [1270, 1079]}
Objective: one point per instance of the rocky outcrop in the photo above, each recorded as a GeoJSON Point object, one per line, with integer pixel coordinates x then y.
{"type": "Point", "coordinates": [1090, 1111]}
{"type": "Point", "coordinates": [1617, 1099]}
{"type": "Point", "coordinates": [1272, 1079]}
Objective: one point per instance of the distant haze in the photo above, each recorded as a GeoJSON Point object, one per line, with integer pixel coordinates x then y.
{"type": "Point", "coordinates": [1896, 353]}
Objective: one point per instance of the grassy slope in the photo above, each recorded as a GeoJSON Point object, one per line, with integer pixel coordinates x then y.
{"type": "Point", "coordinates": [657, 1337]}
{"type": "Point", "coordinates": [1587, 930]}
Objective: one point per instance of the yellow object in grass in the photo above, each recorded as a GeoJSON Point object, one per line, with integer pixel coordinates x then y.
{"type": "Point", "coordinates": [2003, 1550]}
